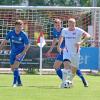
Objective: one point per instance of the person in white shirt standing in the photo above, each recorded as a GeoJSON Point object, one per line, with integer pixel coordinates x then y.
{"type": "Point", "coordinates": [71, 53]}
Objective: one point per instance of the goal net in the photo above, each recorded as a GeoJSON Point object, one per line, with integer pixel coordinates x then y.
{"type": "Point", "coordinates": [40, 19]}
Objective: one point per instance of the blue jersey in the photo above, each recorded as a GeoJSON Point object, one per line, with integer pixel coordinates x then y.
{"type": "Point", "coordinates": [18, 41]}
{"type": "Point", "coordinates": [56, 34]}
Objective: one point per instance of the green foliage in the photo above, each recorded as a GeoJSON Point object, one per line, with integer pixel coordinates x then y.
{"type": "Point", "coordinates": [85, 3]}
{"type": "Point", "coordinates": [10, 2]}
{"type": "Point", "coordinates": [36, 2]}
{"type": "Point", "coordinates": [98, 3]}
{"type": "Point", "coordinates": [82, 3]}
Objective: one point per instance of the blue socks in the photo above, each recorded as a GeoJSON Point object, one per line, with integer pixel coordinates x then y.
{"type": "Point", "coordinates": [19, 80]}
{"type": "Point", "coordinates": [16, 76]}
{"type": "Point", "coordinates": [79, 73]}
{"type": "Point", "coordinates": [59, 72]}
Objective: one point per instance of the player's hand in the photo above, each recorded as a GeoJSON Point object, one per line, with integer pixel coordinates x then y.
{"type": "Point", "coordinates": [18, 56]}
{"type": "Point", "coordinates": [78, 44]}
{"type": "Point", "coordinates": [59, 49]}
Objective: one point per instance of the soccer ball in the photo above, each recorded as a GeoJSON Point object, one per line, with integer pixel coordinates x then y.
{"type": "Point", "coordinates": [66, 84]}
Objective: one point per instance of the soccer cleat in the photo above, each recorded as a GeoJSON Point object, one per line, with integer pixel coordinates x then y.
{"type": "Point", "coordinates": [19, 85]}
{"type": "Point", "coordinates": [14, 85]}
{"type": "Point", "coordinates": [85, 83]}
{"type": "Point", "coordinates": [62, 85]}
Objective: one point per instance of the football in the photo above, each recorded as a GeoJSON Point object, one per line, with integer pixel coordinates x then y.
{"type": "Point", "coordinates": [66, 84]}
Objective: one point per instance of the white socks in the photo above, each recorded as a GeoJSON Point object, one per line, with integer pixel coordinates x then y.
{"type": "Point", "coordinates": [67, 75]}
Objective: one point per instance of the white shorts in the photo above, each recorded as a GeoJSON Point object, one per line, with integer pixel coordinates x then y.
{"type": "Point", "coordinates": [73, 57]}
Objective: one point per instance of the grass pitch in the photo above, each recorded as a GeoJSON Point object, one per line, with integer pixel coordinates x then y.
{"type": "Point", "coordinates": [46, 87]}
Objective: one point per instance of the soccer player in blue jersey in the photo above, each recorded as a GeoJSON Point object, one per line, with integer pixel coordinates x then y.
{"type": "Point", "coordinates": [59, 58]}
{"type": "Point", "coordinates": [19, 46]}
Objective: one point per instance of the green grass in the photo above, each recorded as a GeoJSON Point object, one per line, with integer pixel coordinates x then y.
{"type": "Point", "coordinates": [46, 87]}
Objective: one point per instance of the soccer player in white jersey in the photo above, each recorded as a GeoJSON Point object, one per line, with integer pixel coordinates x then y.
{"type": "Point", "coordinates": [71, 53]}
{"type": "Point", "coordinates": [59, 58]}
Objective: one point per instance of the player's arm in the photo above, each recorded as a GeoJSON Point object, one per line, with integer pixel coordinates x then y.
{"type": "Point", "coordinates": [59, 44]}
{"type": "Point", "coordinates": [86, 36]}
{"type": "Point", "coordinates": [52, 45]}
{"type": "Point", "coordinates": [25, 49]}
{"type": "Point", "coordinates": [3, 43]}
{"type": "Point", "coordinates": [26, 43]}
{"type": "Point", "coordinates": [23, 52]}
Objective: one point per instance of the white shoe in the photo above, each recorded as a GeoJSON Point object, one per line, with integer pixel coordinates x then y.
{"type": "Point", "coordinates": [61, 85]}
{"type": "Point", "coordinates": [14, 85]}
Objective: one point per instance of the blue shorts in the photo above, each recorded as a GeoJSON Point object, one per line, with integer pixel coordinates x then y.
{"type": "Point", "coordinates": [13, 58]}
{"type": "Point", "coordinates": [59, 57]}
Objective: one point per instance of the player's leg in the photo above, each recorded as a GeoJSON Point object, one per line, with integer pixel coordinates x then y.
{"type": "Point", "coordinates": [75, 63]}
{"type": "Point", "coordinates": [16, 80]}
{"type": "Point", "coordinates": [68, 70]}
{"type": "Point", "coordinates": [57, 65]}
{"type": "Point", "coordinates": [18, 62]}
{"type": "Point", "coordinates": [57, 68]}
{"type": "Point", "coordinates": [14, 70]}
{"type": "Point", "coordinates": [14, 66]}
{"type": "Point", "coordinates": [79, 73]}
{"type": "Point", "coordinates": [75, 60]}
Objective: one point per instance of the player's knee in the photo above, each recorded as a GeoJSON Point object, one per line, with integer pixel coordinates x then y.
{"type": "Point", "coordinates": [74, 69]}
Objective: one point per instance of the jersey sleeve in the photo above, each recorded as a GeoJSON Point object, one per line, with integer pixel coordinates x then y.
{"type": "Point", "coordinates": [81, 31]}
{"type": "Point", "coordinates": [8, 35]}
{"type": "Point", "coordinates": [63, 32]}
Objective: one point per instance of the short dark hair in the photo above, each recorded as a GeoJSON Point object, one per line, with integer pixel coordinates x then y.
{"type": "Point", "coordinates": [18, 22]}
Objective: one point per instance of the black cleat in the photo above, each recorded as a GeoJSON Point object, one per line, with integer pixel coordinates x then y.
{"type": "Point", "coordinates": [19, 85]}
{"type": "Point", "coordinates": [85, 83]}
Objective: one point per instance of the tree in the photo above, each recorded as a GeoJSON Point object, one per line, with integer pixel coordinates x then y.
{"type": "Point", "coordinates": [10, 2]}
{"type": "Point", "coordinates": [85, 3]}
{"type": "Point", "coordinates": [36, 2]}
{"type": "Point", "coordinates": [82, 3]}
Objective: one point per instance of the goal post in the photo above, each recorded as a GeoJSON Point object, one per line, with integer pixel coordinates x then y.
{"type": "Point", "coordinates": [40, 19]}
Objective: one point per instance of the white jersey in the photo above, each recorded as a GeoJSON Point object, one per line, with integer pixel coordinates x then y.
{"type": "Point", "coordinates": [71, 38]}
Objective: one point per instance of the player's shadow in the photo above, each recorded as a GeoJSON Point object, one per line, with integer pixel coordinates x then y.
{"type": "Point", "coordinates": [45, 87]}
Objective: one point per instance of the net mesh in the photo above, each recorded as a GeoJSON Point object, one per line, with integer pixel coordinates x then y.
{"type": "Point", "coordinates": [37, 19]}
{"type": "Point", "coordinates": [41, 19]}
